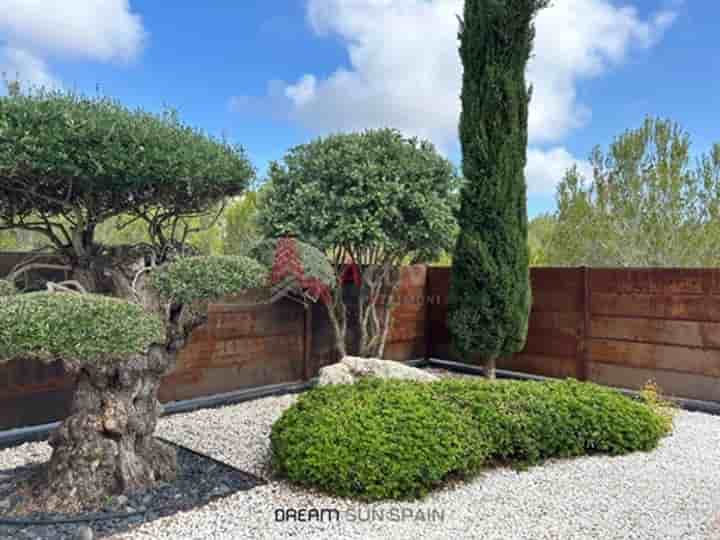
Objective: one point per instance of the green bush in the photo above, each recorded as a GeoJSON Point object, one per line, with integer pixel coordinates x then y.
{"type": "Point", "coordinates": [203, 279]}
{"type": "Point", "coordinates": [396, 439]}
{"type": "Point", "coordinates": [375, 440]}
{"type": "Point", "coordinates": [7, 288]}
{"type": "Point", "coordinates": [72, 326]}
{"type": "Point", "coordinates": [528, 422]}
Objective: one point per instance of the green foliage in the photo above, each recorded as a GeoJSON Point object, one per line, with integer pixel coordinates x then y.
{"type": "Point", "coordinates": [8, 241]}
{"type": "Point", "coordinates": [652, 396]}
{"type": "Point", "coordinates": [375, 440]}
{"type": "Point", "coordinates": [529, 422]}
{"type": "Point", "coordinates": [78, 161]}
{"type": "Point", "coordinates": [7, 288]}
{"type": "Point", "coordinates": [241, 231]}
{"type": "Point", "coordinates": [396, 439]}
{"type": "Point", "coordinates": [490, 297]}
{"type": "Point", "coordinates": [375, 190]}
{"type": "Point", "coordinates": [204, 279]}
{"type": "Point", "coordinates": [540, 236]}
{"type": "Point", "coordinates": [375, 198]}
{"type": "Point", "coordinates": [646, 205]}
{"type": "Point", "coordinates": [204, 236]}
{"type": "Point", "coordinates": [72, 326]}
{"type": "Point", "coordinates": [314, 263]}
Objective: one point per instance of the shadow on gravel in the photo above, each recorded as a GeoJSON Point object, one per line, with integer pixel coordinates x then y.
{"type": "Point", "coordinates": [200, 479]}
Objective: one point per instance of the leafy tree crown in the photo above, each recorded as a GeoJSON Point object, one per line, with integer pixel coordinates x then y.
{"type": "Point", "coordinates": [85, 159]}
{"type": "Point", "coordinates": [206, 278]}
{"type": "Point", "coordinates": [363, 191]}
{"type": "Point", "coordinates": [73, 326]}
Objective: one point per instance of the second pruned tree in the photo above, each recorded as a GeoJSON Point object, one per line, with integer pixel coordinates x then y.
{"type": "Point", "coordinates": [490, 294]}
{"type": "Point", "coordinates": [371, 202]}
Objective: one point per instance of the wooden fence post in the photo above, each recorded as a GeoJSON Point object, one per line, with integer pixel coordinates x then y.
{"type": "Point", "coordinates": [429, 301]}
{"type": "Point", "coordinates": [583, 349]}
{"type": "Point", "coordinates": [307, 344]}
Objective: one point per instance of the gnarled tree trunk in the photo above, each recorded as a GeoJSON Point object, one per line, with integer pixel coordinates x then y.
{"type": "Point", "coordinates": [106, 445]}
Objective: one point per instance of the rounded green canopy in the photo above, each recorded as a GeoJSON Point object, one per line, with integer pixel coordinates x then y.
{"type": "Point", "coordinates": [72, 326]}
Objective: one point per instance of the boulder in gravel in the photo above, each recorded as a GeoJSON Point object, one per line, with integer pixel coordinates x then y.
{"type": "Point", "coordinates": [352, 368]}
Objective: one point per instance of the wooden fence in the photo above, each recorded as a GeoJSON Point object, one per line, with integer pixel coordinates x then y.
{"type": "Point", "coordinates": [240, 347]}
{"type": "Point", "coordinates": [618, 327]}
{"type": "Point", "coordinates": [613, 326]}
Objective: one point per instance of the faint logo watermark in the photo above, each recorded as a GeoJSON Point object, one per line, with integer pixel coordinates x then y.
{"type": "Point", "coordinates": [360, 514]}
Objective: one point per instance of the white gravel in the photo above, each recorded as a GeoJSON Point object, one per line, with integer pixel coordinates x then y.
{"type": "Point", "coordinates": [671, 493]}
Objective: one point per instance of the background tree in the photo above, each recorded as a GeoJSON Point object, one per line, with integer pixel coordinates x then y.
{"type": "Point", "coordinates": [646, 205]}
{"type": "Point", "coordinates": [68, 163]}
{"type": "Point", "coordinates": [241, 230]}
{"type": "Point", "coordinates": [118, 352]}
{"type": "Point", "coordinates": [375, 199]}
{"type": "Point", "coordinates": [540, 236]}
{"type": "Point", "coordinates": [490, 296]}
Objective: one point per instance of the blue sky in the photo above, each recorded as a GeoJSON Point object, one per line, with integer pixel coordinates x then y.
{"type": "Point", "coordinates": [270, 75]}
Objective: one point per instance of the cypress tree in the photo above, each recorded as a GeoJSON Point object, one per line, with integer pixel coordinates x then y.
{"type": "Point", "coordinates": [490, 295]}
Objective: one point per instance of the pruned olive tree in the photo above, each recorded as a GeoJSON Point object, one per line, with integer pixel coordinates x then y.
{"type": "Point", "coordinates": [118, 352]}
{"type": "Point", "coordinates": [68, 163]}
{"type": "Point", "coordinates": [374, 200]}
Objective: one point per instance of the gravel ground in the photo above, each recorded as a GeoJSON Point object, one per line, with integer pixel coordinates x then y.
{"type": "Point", "coordinates": [671, 493]}
{"type": "Point", "coordinates": [199, 481]}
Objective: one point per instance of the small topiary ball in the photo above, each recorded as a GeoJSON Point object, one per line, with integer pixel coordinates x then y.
{"type": "Point", "coordinates": [7, 288]}
{"type": "Point", "coordinates": [84, 328]}
{"type": "Point", "coordinates": [207, 278]}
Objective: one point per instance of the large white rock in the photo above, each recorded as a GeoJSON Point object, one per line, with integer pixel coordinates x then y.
{"type": "Point", "coordinates": [352, 368]}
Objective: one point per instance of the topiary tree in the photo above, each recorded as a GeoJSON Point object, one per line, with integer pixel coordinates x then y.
{"type": "Point", "coordinates": [118, 351]}
{"type": "Point", "coordinates": [374, 200]}
{"type": "Point", "coordinates": [490, 300]}
{"type": "Point", "coordinates": [68, 163]}
{"type": "Point", "coordinates": [183, 289]}
{"type": "Point", "coordinates": [105, 446]}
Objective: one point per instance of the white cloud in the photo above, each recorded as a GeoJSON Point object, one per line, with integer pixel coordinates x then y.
{"type": "Point", "coordinates": [405, 71]}
{"type": "Point", "coordinates": [25, 66]}
{"type": "Point", "coordinates": [577, 40]}
{"type": "Point", "coordinates": [34, 30]}
{"type": "Point", "coordinates": [545, 169]}
{"type": "Point", "coordinates": [303, 92]}
{"type": "Point", "coordinates": [95, 29]}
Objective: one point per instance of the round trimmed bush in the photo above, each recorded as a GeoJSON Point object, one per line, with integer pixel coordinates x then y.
{"type": "Point", "coordinates": [72, 326]}
{"type": "Point", "coordinates": [7, 288]}
{"type": "Point", "coordinates": [381, 439]}
{"type": "Point", "coordinates": [375, 440]}
{"type": "Point", "coordinates": [528, 422]}
{"type": "Point", "coordinates": [206, 278]}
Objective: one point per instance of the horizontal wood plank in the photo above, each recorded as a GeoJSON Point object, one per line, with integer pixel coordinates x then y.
{"type": "Point", "coordinates": [557, 300]}
{"type": "Point", "coordinates": [551, 342]}
{"type": "Point", "coordinates": [686, 385]}
{"type": "Point", "coordinates": [655, 281]}
{"type": "Point", "coordinates": [680, 307]}
{"type": "Point", "coordinates": [536, 364]}
{"type": "Point", "coordinates": [405, 350]}
{"type": "Point", "coordinates": [659, 331]}
{"type": "Point", "coordinates": [656, 357]}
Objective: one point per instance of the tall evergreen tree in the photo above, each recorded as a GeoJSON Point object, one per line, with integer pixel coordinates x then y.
{"type": "Point", "coordinates": [490, 296]}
